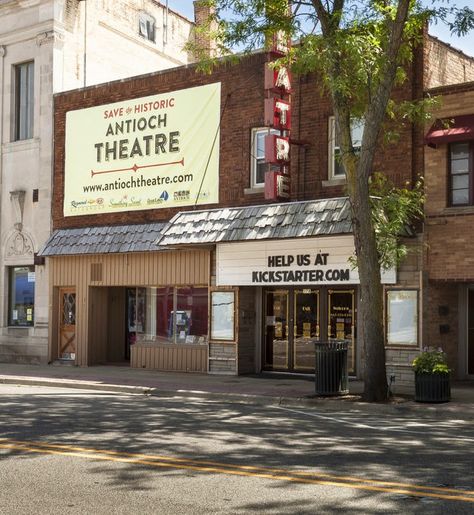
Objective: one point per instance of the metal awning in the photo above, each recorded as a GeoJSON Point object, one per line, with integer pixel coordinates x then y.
{"type": "Point", "coordinates": [450, 130]}
{"type": "Point", "coordinates": [103, 240]}
{"type": "Point", "coordinates": [270, 221]}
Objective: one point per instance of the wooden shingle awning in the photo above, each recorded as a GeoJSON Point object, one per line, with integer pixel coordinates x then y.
{"type": "Point", "coordinates": [324, 217]}
{"type": "Point", "coordinates": [450, 130]}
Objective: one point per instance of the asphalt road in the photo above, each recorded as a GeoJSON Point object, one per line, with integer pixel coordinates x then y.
{"type": "Point", "coordinates": [72, 451]}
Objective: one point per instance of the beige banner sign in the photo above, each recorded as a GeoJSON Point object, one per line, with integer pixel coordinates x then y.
{"type": "Point", "coordinates": [152, 152]}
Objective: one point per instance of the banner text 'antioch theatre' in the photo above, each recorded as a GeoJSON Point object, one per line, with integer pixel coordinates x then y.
{"type": "Point", "coordinates": [147, 153]}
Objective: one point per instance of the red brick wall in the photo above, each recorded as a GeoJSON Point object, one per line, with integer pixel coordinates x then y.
{"type": "Point", "coordinates": [242, 92]}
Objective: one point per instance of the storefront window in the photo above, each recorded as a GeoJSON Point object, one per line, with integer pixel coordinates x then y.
{"type": "Point", "coordinates": [21, 296]}
{"type": "Point", "coordinates": [175, 315]}
{"type": "Point", "coordinates": [222, 315]}
{"type": "Point", "coordinates": [191, 315]}
{"type": "Point", "coordinates": [402, 317]}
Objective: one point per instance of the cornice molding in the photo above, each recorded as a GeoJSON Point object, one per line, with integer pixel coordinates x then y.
{"type": "Point", "coordinates": [27, 33]}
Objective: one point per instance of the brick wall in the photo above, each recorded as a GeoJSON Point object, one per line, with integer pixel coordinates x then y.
{"type": "Point", "coordinates": [448, 255]}
{"type": "Point", "coordinates": [222, 358]}
{"type": "Point", "coordinates": [445, 64]}
{"type": "Point", "coordinates": [242, 95]}
{"type": "Point", "coordinates": [441, 319]}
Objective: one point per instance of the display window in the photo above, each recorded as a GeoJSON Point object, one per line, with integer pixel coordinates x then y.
{"type": "Point", "coordinates": [171, 315]}
{"type": "Point", "coordinates": [191, 315]}
{"type": "Point", "coordinates": [402, 317]}
{"type": "Point", "coordinates": [21, 296]}
{"type": "Point", "coordinates": [222, 315]}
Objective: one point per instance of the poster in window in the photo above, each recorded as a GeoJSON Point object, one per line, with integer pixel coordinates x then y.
{"type": "Point", "coordinates": [306, 330]}
{"type": "Point", "coordinates": [402, 317]}
{"type": "Point", "coordinates": [222, 315]}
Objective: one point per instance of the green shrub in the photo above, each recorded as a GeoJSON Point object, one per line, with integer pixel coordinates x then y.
{"type": "Point", "coordinates": [431, 361]}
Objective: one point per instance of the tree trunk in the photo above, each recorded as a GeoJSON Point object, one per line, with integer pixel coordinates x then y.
{"type": "Point", "coordinates": [371, 296]}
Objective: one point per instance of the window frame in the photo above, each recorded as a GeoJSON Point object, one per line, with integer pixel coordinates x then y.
{"type": "Point", "coordinates": [470, 175]}
{"type": "Point", "coordinates": [414, 345]}
{"type": "Point", "coordinates": [211, 315]}
{"type": "Point", "coordinates": [11, 304]}
{"type": "Point", "coordinates": [254, 158]}
{"type": "Point", "coordinates": [24, 105]}
{"type": "Point", "coordinates": [148, 23]}
{"type": "Point", "coordinates": [332, 147]}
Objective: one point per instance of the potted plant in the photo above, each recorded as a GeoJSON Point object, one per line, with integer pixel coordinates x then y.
{"type": "Point", "coordinates": [432, 376]}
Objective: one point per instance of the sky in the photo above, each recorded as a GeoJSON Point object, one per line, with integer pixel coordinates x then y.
{"type": "Point", "coordinates": [466, 43]}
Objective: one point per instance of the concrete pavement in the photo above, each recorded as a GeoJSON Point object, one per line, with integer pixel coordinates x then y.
{"type": "Point", "coordinates": [268, 388]}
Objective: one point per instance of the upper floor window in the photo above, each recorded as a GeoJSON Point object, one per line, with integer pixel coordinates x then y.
{"type": "Point", "coordinates": [146, 26]}
{"type": "Point", "coordinates": [336, 170]}
{"type": "Point", "coordinates": [460, 174]}
{"type": "Point", "coordinates": [24, 101]}
{"type": "Point", "coordinates": [257, 153]}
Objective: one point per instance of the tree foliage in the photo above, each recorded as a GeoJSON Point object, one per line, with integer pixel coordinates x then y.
{"type": "Point", "coordinates": [395, 212]}
{"type": "Point", "coordinates": [360, 51]}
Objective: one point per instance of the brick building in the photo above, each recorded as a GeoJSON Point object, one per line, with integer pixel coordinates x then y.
{"type": "Point", "coordinates": [47, 46]}
{"type": "Point", "coordinates": [179, 263]}
{"type": "Point", "coordinates": [449, 218]}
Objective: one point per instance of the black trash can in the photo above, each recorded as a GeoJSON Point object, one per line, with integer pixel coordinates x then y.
{"type": "Point", "coordinates": [331, 367]}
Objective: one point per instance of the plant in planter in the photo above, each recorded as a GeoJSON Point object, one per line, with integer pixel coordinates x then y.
{"type": "Point", "coordinates": [432, 376]}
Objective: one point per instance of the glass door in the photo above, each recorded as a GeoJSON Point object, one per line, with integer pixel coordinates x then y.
{"type": "Point", "coordinates": [136, 304]}
{"type": "Point", "coordinates": [341, 321]}
{"type": "Point", "coordinates": [276, 330]}
{"type": "Point", "coordinates": [306, 328]}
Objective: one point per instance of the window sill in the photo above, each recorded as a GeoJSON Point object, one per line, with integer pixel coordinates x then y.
{"type": "Point", "coordinates": [21, 145]}
{"type": "Point", "coordinates": [402, 346]}
{"type": "Point", "coordinates": [254, 191]}
{"type": "Point", "coordinates": [334, 182]}
{"type": "Point", "coordinates": [458, 210]}
{"type": "Point", "coordinates": [15, 328]}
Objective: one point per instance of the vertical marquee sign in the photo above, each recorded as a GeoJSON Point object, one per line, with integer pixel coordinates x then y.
{"type": "Point", "coordinates": [278, 116]}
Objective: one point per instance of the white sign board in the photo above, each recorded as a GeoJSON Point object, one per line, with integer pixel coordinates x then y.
{"type": "Point", "coordinates": [302, 261]}
{"type": "Point", "coordinates": [151, 152]}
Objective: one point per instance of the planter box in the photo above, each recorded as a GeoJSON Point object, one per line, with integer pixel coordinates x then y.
{"type": "Point", "coordinates": [432, 387]}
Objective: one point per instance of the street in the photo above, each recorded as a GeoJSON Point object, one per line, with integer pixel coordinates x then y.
{"type": "Point", "coordinates": [74, 451]}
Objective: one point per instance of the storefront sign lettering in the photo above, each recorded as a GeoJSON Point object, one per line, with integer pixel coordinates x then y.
{"type": "Point", "coordinates": [295, 261]}
{"type": "Point", "coordinates": [301, 276]}
{"type": "Point", "coordinates": [299, 259]}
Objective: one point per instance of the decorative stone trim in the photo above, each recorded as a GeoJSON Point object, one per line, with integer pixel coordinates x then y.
{"type": "Point", "coordinates": [48, 37]}
{"type": "Point", "coordinates": [19, 244]}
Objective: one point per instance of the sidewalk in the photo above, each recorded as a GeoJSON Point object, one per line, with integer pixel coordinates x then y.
{"type": "Point", "coordinates": [269, 389]}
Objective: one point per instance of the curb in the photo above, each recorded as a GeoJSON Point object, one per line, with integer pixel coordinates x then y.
{"type": "Point", "coordinates": [349, 403]}
{"type": "Point", "coordinates": [79, 385]}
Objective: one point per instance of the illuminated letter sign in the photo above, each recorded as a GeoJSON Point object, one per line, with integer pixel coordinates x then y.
{"type": "Point", "coordinates": [278, 114]}
{"type": "Point", "coordinates": [277, 185]}
{"type": "Point", "coordinates": [277, 149]}
{"type": "Point", "coordinates": [278, 80]}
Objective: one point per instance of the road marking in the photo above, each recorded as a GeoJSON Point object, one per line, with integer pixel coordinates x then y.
{"type": "Point", "coordinates": [360, 425]}
{"type": "Point", "coordinates": [306, 477]}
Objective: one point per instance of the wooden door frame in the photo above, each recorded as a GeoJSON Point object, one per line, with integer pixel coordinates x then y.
{"type": "Point", "coordinates": [61, 292]}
